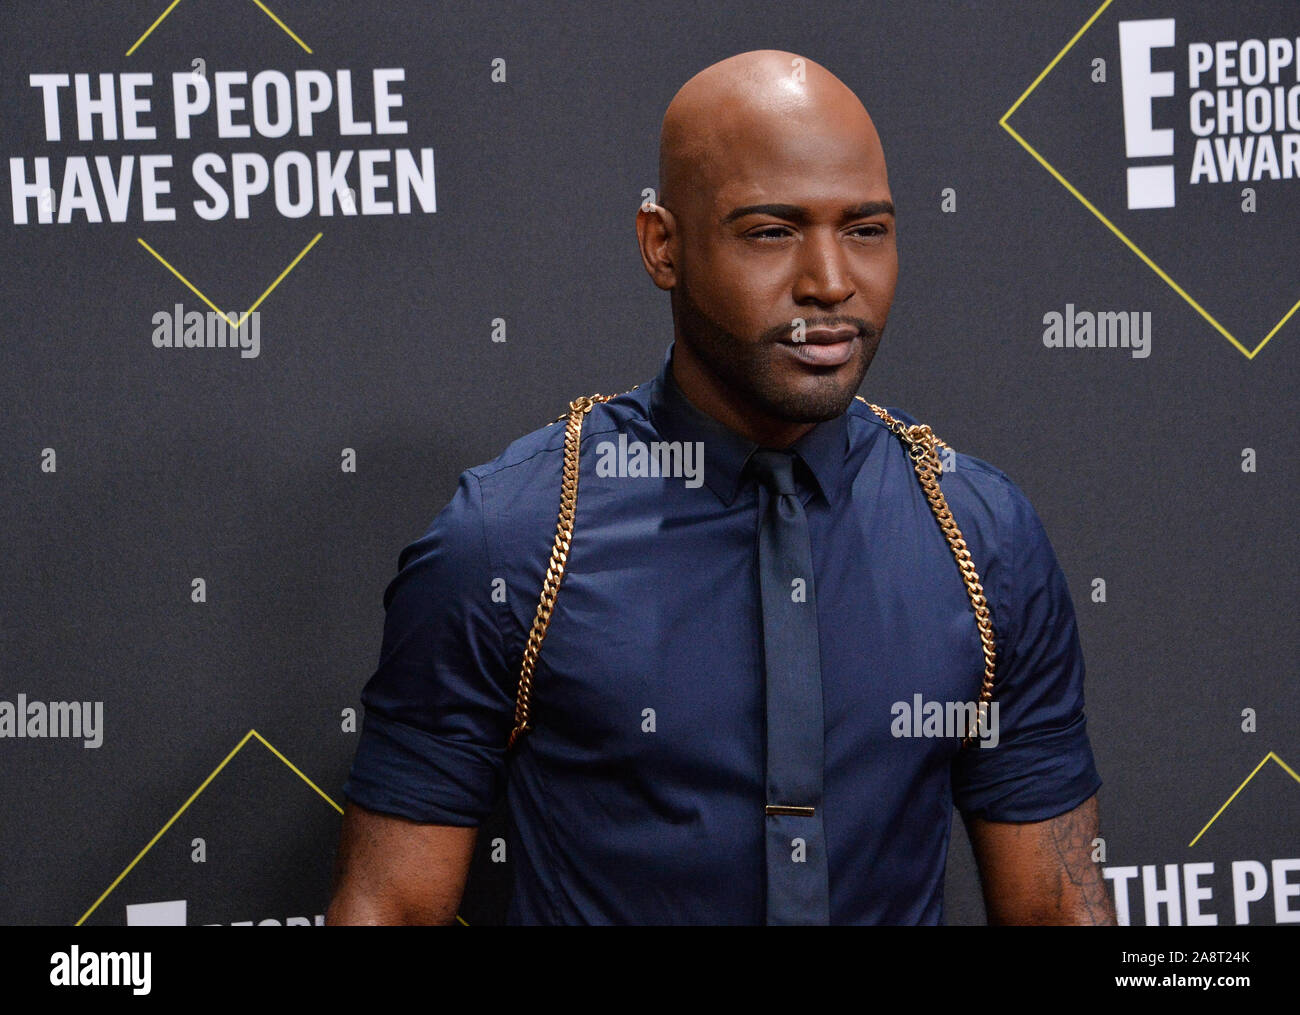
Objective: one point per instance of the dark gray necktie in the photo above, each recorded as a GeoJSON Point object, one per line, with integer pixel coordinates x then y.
{"type": "Point", "coordinates": [798, 889]}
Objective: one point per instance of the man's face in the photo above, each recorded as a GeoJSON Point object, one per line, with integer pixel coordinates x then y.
{"type": "Point", "coordinates": [792, 225]}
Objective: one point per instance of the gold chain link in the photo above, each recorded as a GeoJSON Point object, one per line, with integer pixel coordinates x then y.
{"type": "Point", "coordinates": [921, 443]}
{"type": "Point", "coordinates": [578, 410]}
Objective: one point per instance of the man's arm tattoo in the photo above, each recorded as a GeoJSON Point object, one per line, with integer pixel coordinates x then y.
{"type": "Point", "coordinates": [1081, 889]}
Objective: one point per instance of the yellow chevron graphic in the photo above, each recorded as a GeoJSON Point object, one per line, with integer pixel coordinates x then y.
{"type": "Point", "coordinates": [1270, 756]}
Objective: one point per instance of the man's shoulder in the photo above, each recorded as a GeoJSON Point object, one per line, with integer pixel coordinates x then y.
{"type": "Point", "coordinates": [511, 500]}
{"type": "Point", "coordinates": [541, 451]}
{"type": "Point", "coordinates": [971, 485]}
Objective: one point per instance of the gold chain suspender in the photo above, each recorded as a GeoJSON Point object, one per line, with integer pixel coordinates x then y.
{"type": "Point", "coordinates": [578, 409]}
{"type": "Point", "coordinates": [921, 444]}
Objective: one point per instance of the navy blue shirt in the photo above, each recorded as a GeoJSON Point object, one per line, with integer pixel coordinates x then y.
{"type": "Point", "coordinates": [624, 815]}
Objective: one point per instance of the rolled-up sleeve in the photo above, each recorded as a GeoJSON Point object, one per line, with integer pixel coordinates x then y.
{"type": "Point", "coordinates": [438, 707]}
{"type": "Point", "coordinates": [1042, 764]}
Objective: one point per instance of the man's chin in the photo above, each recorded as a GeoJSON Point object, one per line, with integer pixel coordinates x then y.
{"type": "Point", "coordinates": [824, 398]}
{"type": "Point", "coordinates": [814, 406]}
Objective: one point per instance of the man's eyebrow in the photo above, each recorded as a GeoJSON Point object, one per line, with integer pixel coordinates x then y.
{"type": "Point", "coordinates": [797, 213]}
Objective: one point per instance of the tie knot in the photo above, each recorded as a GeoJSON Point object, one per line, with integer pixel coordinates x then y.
{"type": "Point", "coordinates": [774, 469]}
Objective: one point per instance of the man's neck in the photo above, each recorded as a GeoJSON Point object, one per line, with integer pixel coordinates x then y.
{"type": "Point", "coordinates": [708, 394]}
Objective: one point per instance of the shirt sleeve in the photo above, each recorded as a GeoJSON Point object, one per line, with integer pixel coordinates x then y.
{"type": "Point", "coordinates": [1042, 764]}
{"type": "Point", "coordinates": [438, 708]}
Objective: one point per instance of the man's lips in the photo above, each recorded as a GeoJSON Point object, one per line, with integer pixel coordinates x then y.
{"type": "Point", "coordinates": [825, 347]}
{"type": "Point", "coordinates": [828, 336]}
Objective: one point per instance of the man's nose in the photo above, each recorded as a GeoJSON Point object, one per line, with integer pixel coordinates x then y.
{"type": "Point", "coordinates": [823, 269]}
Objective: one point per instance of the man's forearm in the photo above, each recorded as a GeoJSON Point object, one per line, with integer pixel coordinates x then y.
{"type": "Point", "coordinates": [390, 870]}
{"type": "Point", "coordinates": [1042, 872]}
{"type": "Point", "coordinates": [1081, 896]}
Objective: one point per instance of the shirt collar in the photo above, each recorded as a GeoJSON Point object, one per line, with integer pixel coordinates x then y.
{"type": "Point", "coordinates": [823, 449]}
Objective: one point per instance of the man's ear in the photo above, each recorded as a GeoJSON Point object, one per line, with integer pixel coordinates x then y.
{"type": "Point", "coordinates": [656, 233]}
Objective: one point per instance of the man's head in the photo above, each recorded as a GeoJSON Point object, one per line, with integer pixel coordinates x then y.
{"type": "Point", "coordinates": [774, 206]}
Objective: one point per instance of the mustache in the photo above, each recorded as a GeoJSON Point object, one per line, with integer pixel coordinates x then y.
{"type": "Point", "coordinates": [783, 332]}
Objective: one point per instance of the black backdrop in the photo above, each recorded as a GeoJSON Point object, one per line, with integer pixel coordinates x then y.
{"type": "Point", "coordinates": [130, 471]}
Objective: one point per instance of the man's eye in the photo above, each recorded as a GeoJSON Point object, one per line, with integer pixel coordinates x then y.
{"type": "Point", "coordinates": [776, 232]}
{"type": "Point", "coordinates": [870, 231]}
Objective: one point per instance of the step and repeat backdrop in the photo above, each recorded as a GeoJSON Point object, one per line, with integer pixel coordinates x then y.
{"type": "Point", "coordinates": [276, 273]}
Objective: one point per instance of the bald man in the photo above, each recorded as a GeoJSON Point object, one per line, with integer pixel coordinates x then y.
{"type": "Point", "coordinates": [737, 707]}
